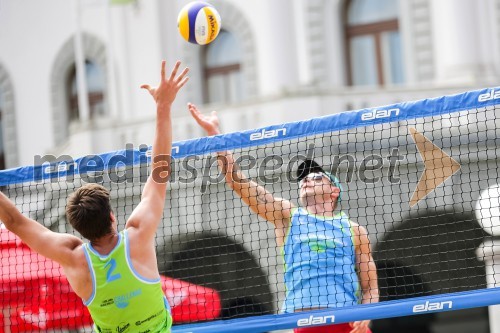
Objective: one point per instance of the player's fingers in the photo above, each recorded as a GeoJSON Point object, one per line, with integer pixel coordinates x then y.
{"type": "Point", "coordinates": [355, 327]}
{"type": "Point", "coordinates": [148, 88]}
{"type": "Point", "coordinates": [181, 76]}
{"type": "Point", "coordinates": [194, 112]}
{"type": "Point", "coordinates": [193, 108]}
{"type": "Point", "coordinates": [363, 326]}
{"type": "Point", "coordinates": [174, 71]}
{"type": "Point", "coordinates": [183, 82]}
{"type": "Point", "coordinates": [163, 63]}
{"type": "Point", "coordinates": [356, 330]}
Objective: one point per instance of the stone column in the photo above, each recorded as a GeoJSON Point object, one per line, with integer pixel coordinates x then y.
{"type": "Point", "coordinates": [489, 253]}
{"type": "Point", "coordinates": [462, 50]}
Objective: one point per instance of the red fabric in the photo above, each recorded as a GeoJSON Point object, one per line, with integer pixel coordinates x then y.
{"type": "Point", "coordinates": [40, 298]}
{"type": "Point", "coordinates": [191, 302]}
{"type": "Point", "coordinates": [338, 328]}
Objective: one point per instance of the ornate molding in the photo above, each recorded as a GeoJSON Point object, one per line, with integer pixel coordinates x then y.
{"type": "Point", "coordinates": [95, 51]}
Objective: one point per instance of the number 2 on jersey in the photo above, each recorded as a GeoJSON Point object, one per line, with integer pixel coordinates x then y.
{"type": "Point", "coordinates": [109, 275]}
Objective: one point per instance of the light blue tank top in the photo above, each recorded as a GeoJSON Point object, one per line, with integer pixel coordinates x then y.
{"type": "Point", "coordinates": [320, 262]}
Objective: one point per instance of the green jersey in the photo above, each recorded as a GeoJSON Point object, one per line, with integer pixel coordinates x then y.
{"type": "Point", "coordinates": [122, 301]}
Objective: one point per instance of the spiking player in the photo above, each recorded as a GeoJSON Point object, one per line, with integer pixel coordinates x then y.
{"type": "Point", "coordinates": [116, 273]}
{"type": "Point", "coordinates": [327, 256]}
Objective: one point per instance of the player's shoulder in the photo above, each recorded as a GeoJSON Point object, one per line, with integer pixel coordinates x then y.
{"type": "Point", "coordinates": [353, 224]}
{"type": "Point", "coordinates": [135, 235]}
{"type": "Point", "coordinates": [74, 256]}
{"type": "Point", "coordinates": [79, 251]}
{"type": "Point", "coordinates": [70, 244]}
{"type": "Point", "coordinates": [358, 229]}
{"type": "Point", "coordinates": [343, 215]}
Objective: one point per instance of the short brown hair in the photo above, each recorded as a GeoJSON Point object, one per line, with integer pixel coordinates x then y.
{"type": "Point", "coordinates": [88, 211]}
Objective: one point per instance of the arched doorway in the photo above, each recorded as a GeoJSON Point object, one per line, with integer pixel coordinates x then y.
{"type": "Point", "coordinates": [429, 254]}
{"type": "Point", "coordinates": [398, 282]}
{"type": "Point", "coordinates": [217, 262]}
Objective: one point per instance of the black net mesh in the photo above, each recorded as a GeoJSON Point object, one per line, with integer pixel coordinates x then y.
{"type": "Point", "coordinates": [209, 237]}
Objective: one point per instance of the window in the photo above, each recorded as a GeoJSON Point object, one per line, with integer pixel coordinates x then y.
{"type": "Point", "coordinates": [95, 88]}
{"type": "Point", "coordinates": [373, 42]}
{"type": "Point", "coordinates": [223, 76]}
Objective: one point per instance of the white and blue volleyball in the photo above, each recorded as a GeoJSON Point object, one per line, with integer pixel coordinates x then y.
{"type": "Point", "coordinates": [199, 23]}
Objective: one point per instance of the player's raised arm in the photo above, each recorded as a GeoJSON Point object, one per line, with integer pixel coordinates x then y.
{"type": "Point", "coordinates": [55, 246]}
{"type": "Point", "coordinates": [260, 201]}
{"type": "Point", "coordinates": [366, 267]}
{"type": "Point", "coordinates": [367, 272]}
{"type": "Point", "coordinates": [147, 214]}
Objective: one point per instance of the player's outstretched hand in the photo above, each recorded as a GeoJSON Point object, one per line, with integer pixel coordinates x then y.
{"type": "Point", "coordinates": [167, 90]}
{"type": "Point", "coordinates": [210, 123]}
{"type": "Point", "coordinates": [359, 326]}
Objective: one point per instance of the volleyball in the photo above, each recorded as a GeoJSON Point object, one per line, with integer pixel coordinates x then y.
{"type": "Point", "coordinates": [199, 23]}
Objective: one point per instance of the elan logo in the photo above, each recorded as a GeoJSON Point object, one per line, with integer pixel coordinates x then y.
{"type": "Point", "coordinates": [60, 167]}
{"type": "Point", "coordinates": [175, 150]}
{"type": "Point", "coordinates": [492, 94]}
{"type": "Point", "coordinates": [311, 320]}
{"type": "Point", "coordinates": [429, 306]}
{"type": "Point", "coordinates": [267, 134]}
{"type": "Point", "coordinates": [376, 114]}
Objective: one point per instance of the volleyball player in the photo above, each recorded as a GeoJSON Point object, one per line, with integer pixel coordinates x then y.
{"type": "Point", "coordinates": [115, 273]}
{"type": "Point", "coordinates": [327, 255]}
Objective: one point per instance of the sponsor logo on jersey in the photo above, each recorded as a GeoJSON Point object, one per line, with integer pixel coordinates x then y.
{"type": "Point", "coordinates": [123, 301]}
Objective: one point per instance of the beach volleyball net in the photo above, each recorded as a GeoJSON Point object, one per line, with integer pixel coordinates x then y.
{"type": "Point", "coordinates": [413, 174]}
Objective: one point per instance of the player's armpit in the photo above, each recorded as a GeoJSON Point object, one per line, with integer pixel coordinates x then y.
{"type": "Point", "coordinates": [55, 246]}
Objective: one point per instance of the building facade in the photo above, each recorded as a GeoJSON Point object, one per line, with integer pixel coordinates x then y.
{"type": "Point", "coordinates": [274, 62]}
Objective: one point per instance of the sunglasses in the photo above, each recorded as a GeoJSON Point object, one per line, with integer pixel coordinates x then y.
{"type": "Point", "coordinates": [317, 177]}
